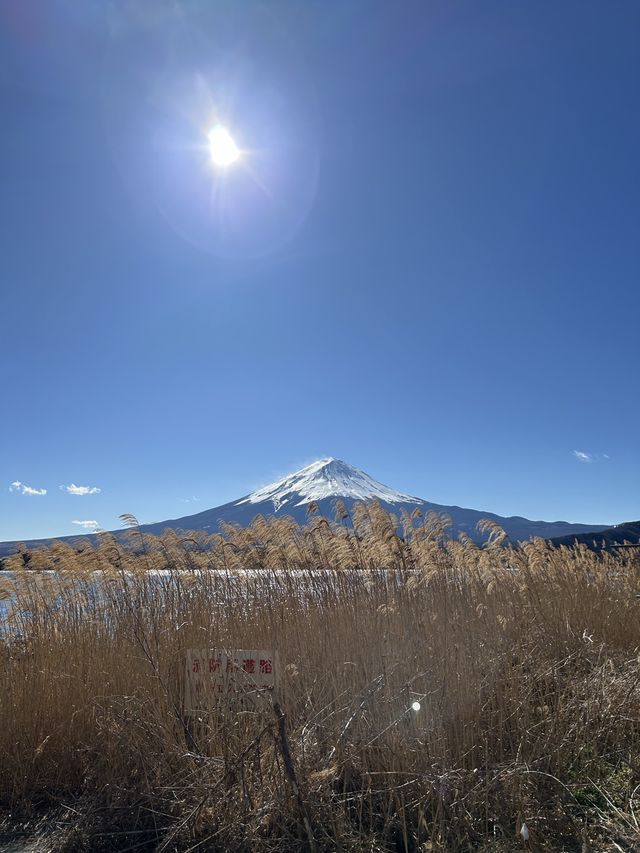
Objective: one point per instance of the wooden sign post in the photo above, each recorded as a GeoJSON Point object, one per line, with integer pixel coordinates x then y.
{"type": "Point", "coordinates": [219, 678]}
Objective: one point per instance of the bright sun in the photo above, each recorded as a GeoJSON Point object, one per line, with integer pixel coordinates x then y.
{"type": "Point", "coordinates": [224, 150]}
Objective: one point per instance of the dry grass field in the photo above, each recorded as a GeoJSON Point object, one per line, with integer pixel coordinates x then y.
{"type": "Point", "coordinates": [525, 663]}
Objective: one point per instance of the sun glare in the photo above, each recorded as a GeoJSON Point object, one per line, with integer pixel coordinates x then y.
{"type": "Point", "coordinates": [224, 150]}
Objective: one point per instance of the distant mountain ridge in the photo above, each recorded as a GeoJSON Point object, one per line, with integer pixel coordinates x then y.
{"type": "Point", "coordinates": [618, 534]}
{"type": "Point", "coordinates": [321, 483]}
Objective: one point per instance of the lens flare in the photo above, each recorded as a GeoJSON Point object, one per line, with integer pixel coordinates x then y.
{"type": "Point", "coordinates": [222, 147]}
{"type": "Point", "coordinates": [415, 706]}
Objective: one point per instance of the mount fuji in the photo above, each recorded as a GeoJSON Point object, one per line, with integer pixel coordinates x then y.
{"type": "Point", "coordinates": [321, 483]}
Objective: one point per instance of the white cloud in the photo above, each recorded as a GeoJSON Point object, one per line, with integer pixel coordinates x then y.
{"type": "Point", "coordinates": [88, 524]}
{"type": "Point", "coordinates": [17, 486]}
{"type": "Point", "coordinates": [72, 489]}
{"type": "Point", "coordinates": [583, 456]}
{"type": "Point", "coordinates": [189, 500]}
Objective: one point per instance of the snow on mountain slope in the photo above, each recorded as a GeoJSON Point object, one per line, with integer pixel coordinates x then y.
{"type": "Point", "coordinates": [325, 478]}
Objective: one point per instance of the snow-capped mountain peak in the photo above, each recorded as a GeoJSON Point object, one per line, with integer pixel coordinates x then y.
{"type": "Point", "coordinates": [321, 482]}
{"type": "Point", "coordinates": [326, 478]}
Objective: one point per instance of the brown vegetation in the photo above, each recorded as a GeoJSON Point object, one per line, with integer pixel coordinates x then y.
{"type": "Point", "coordinates": [524, 662]}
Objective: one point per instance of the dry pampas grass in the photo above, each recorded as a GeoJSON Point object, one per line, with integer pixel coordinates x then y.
{"type": "Point", "coordinates": [524, 662]}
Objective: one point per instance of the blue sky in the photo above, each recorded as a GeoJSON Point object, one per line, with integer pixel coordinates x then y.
{"type": "Point", "coordinates": [424, 263]}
